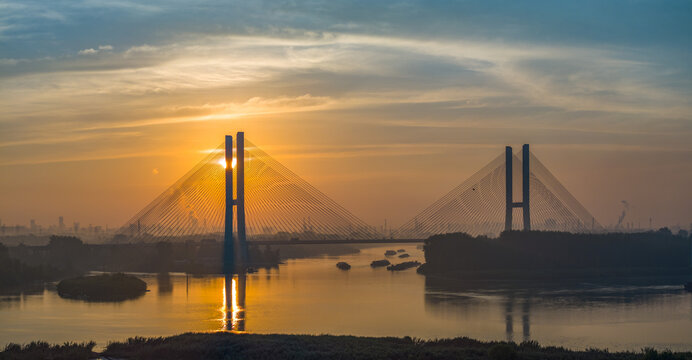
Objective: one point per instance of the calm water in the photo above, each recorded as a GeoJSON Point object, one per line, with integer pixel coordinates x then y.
{"type": "Point", "coordinates": [311, 296]}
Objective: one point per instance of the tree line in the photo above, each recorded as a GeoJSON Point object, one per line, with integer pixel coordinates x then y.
{"type": "Point", "coordinates": [558, 250]}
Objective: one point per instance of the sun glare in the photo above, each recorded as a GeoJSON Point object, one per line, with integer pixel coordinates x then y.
{"type": "Point", "coordinates": [222, 162]}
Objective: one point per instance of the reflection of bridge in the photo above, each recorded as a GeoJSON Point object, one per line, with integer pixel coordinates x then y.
{"type": "Point", "coordinates": [249, 197]}
{"type": "Point", "coordinates": [234, 302]}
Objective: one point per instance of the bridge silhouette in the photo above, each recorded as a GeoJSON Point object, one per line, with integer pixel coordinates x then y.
{"type": "Point", "coordinates": [274, 206]}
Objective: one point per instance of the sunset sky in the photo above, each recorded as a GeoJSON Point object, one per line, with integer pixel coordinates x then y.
{"type": "Point", "coordinates": [384, 106]}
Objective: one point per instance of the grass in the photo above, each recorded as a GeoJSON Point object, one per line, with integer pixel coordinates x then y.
{"type": "Point", "coordinates": [224, 345]}
{"type": "Point", "coordinates": [43, 350]}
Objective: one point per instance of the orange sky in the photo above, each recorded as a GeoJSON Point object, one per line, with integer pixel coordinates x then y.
{"type": "Point", "coordinates": [380, 110]}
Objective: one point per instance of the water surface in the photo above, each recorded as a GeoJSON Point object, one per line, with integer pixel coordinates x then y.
{"type": "Point", "coordinates": [312, 296]}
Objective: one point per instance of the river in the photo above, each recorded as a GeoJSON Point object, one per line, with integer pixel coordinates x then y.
{"type": "Point", "coordinates": [312, 296]}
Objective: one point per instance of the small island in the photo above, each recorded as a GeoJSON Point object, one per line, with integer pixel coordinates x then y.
{"type": "Point", "coordinates": [389, 253]}
{"type": "Point", "coordinates": [403, 256]}
{"type": "Point", "coordinates": [105, 287]}
{"type": "Point", "coordinates": [379, 263]}
{"type": "Point", "coordinates": [403, 266]}
{"type": "Point", "coordinates": [343, 265]}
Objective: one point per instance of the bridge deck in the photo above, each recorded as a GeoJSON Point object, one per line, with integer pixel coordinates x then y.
{"type": "Point", "coordinates": [335, 242]}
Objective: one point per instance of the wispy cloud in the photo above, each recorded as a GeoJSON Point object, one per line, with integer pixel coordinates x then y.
{"type": "Point", "coordinates": [58, 160]}
{"type": "Point", "coordinates": [64, 138]}
{"type": "Point", "coordinates": [492, 86]}
{"type": "Point", "coordinates": [92, 51]}
{"type": "Point", "coordinates": [572, 78]}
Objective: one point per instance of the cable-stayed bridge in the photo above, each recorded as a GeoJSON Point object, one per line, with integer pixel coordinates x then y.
{"type": "Point", "coordinates": [484, 204]}
{"type": "Point", "coordinates": [269, 204]}
{"type": "Point", "coordinates": [278, 204]}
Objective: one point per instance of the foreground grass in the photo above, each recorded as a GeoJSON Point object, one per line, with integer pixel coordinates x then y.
{"type": "Point", "coordinates": [43, 350]}
{"type": "Point", "coordinates": [253, 346]}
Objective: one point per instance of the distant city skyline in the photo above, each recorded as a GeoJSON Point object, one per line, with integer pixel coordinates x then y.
{"type": "Point", "coordinates": [59, 227]}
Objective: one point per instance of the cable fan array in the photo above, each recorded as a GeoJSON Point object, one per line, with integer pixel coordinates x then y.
{"type": "Point", "coordinates": [280, 202]}
{"type": "Point", "coordinates": [279, 205]}
{"type": "Point", "coordinates": [477, 206]}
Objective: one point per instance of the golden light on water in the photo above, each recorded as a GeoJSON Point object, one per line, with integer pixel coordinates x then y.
{"type": "Point", "coordinates": [232, 310]}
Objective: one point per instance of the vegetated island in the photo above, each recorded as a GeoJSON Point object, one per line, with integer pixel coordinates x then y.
{"type": "Point", "coordinates": [105, 287]}
{"type": "Point", "coordinates": [379, 263]}
{"type": "Point", "coordinates": [224, 345]}
{"type": "Point", "coordinates": [343, 265]}
{"type": "Point", "coordinates": [559, 255]}
{"type": "Point", "coordinates": [403, 266]}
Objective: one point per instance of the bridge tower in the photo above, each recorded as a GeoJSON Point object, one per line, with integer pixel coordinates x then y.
{"type": "Point", "coordinates": [238, 204]}
{"type": "Point", "coordinates": [509, 198]}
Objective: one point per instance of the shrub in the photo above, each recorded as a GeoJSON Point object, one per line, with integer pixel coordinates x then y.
{"type": "Point", "coordinates": [502, 351]}
{"type": "Point", "coordinates": [43, 350]}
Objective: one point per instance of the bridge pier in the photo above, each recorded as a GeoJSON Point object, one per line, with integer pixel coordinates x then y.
{"type": "Point", "coordinates": [234, 260]}
{"type": "Point", "coordinates": [509, 198]}
{"type": "Point", "coordinates": [228, 243]}
{"type": "Point", "coordinates": [525, 199]}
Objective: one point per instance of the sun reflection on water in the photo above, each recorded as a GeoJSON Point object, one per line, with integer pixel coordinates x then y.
{"type": "Point", "coordinates": [233, 309]}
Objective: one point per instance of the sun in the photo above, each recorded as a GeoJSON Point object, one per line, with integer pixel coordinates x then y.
{"type": "Point", "coordinates": [222, 162]}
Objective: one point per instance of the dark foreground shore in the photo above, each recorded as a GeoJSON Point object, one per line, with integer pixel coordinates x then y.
{"type": "Point", "coordinates": [254, 346]}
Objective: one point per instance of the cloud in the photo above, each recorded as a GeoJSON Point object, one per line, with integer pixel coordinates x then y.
{"type": "Point", "coordinates": [390, 86]}
{"type": "Point", "coordinates": [569, 78]}
{"type": "Point", "coordinates": [9, 61]}
{"type": "Point", "coordinates": [81, 158]}
{"type": "Point", "coordinates": [51, 139]}
{"type": "Point", "coordinates": [92, 51]}
{"type": "Point", "coordinates": [88, 52]}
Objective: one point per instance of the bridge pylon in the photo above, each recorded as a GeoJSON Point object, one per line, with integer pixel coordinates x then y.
{"type": "Point", "coordinates": [525, 203]}
{"type": "Point", "coordinates": [235, 253]}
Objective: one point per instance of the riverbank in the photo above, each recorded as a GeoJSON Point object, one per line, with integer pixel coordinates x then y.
{"type": "Point", "coordinates": [224, 345]}
{"type": "Point", "coordinates": [558, 255]}
{"type": "Point", "coordinates": [71, 256]}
